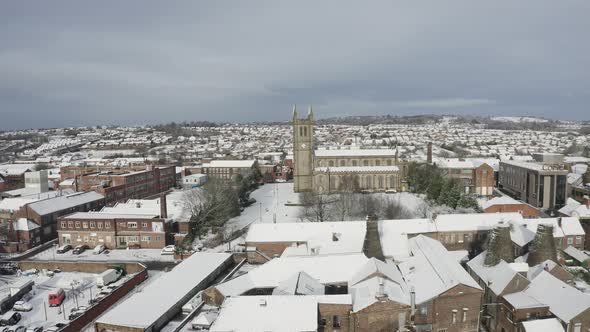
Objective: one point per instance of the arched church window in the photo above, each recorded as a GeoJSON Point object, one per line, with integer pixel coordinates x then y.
{"type": "Point", "coordinates": [342, 162]}
{"type": "Point", "coordinates": [331, 163]}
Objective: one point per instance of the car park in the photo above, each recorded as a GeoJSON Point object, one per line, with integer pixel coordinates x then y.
{"type": "Point", "coordinates": [22, 306]}
{"type": "Point", "coordinates": [63, 249]}
{"type": "Point", "coordinates": [79, 249]}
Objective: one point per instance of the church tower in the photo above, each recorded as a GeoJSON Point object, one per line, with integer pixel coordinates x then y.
{"type": "Point", "coordinates": [303, 151]}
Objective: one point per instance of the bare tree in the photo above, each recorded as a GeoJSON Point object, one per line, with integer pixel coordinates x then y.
{"type": "Point", "coordinates": [212, 205]}
{"type": "Point", "coordinates": [395, 210]}
{"type": "Point", "coordinates": [317, 207]}
{"type": "Point", "coordinates": [345, 202]}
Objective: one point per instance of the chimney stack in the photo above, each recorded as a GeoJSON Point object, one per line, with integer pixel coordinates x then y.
{"type": "Point", "coordinates": [542, 247]}
{"type": "Point", "coordinates": [163, 207]}
{"type": "Point", "coordinates": [372, 244]}
{"type": "Point", "coordinates": [499, 246]}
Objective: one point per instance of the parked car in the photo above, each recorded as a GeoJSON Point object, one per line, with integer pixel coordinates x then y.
{"type": "Point", "coordinates": [10, 318]}
{"type": "Point", "coordinates": [56, 297]}
{"type": "Point", "coordinates": [63, 249]}
{"type": "Point", "coordinates": [56, 327]}
{"type": "Point", "coordinates": [75, 315]}
{"type": "Point", "coordinates": [99, 249]}
{"type": "Point", "coordinates": [168, 250]}
{"type": "Point", "coordinates": [79, 249]}
{"type": "Point", "coordinates": [35, 329]}
{"type": "Point", "coordinates": [22, 306]}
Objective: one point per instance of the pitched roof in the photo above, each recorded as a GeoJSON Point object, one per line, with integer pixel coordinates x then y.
{"type": "Point", "coordinates": [432, 270]}
{"type": "Point", "coordinates": [61, 203]}
{"type": "Point", "coordinates": [547, 289]}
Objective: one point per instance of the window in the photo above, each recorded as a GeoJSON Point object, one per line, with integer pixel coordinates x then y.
{"type": "Point", "coordinates": [132, 224]}
{"type": "Point", "coordinates": [342, 162]}
{"type": "Point", "coordinates": [377, 162]}
{"type": "Point", "coordinates": [464, 319]}
{"type": "Point", "coordinates": [578, 240]}
{"type": "Point", "coordinates": [144, 224]}
{"type": "Point", "coordinates": [99, 225]}
{"type": "Point", "coordinates": [365, 163]}
{"type": "Point", "coordinates": [92, 224]}
{"type": "Point", "coordinates": [423, 310]}
{"type": "Point", "coordinates": [63, 224]}
{"type": "Point", "coordinates": [331, 163]}
{"type": "Point", "coordinates": [454, 317]}
{"type": "Point", "coordinates": [77, 224]}
{"type": "Point", "coordinates": [146, 238]}
{"type": "Point", "coordinates": [354, 163]}
{"type": "Point", "coordinates": [107, 225]}
{"type": "Point", "coordinates": [570, 240]}
{"type": "Point", "coordinates": [388, 162]}
{"type": "Point", "coordinates": [336, 321]}
{"type": "Point", "coordinates": [70, 224]}
{"type": "Point", "coordinates": [323, 321]}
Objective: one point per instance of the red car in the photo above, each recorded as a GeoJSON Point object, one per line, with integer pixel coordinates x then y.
{"type": "Point", "coordinates": [56, 297]}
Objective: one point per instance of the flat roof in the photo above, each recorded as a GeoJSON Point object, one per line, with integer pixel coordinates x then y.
{"type": "Point", "coordinates": [102, 215]}
{"type": "Point", "coordinates": [144, 308]}
{"type": "Point", "coordinates": [355, 153]}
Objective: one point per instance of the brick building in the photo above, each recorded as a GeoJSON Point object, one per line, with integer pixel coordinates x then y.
{"type": "Point", "coordinates": [44, 213]}
{"type": "Point", "coordinates": [115, 231]}
{"type": "Point", "coordinates": [508, 204]}
{"type": "Point", "coordinates": [122, 185]}
{"type": "Point", "coordinates": [227, 170]}
{"type": "Point", "coordinates": [473, 176]}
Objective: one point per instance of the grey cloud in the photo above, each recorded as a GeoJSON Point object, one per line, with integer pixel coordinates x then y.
{"type": "Point", "coordinates": [71, 63]}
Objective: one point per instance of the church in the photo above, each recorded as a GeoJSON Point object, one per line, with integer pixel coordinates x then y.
{"type": "Point", "coordinates": [338, 170]}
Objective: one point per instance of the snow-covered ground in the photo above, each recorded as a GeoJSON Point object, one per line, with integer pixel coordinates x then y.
{"type": "Point", "coordinates": [270, 201]}
{"type": "Point", "coordinates": [121, 255]}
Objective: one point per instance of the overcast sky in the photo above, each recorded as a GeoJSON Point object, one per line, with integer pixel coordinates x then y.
{"type": "Point", "coordinates": [67, 63]}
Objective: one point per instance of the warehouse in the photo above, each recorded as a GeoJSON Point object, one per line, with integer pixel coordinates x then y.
{"type": "Point", "coordinates": [150, 309]}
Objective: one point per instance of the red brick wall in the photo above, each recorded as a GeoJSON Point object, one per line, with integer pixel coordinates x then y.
{"type": "Point", "coordinates": [526, 210]}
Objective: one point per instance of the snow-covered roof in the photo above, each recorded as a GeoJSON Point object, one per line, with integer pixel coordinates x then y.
{"type": "Point", "coordinates": [144, 308]}
{"type": "Point", "coordinates": [543, 325]}
{"type": "Point", "coordinates": [576, 254]}
{"type": "Point", "coordinates": [272, 313]}
{"type": "Point", "coordinates": [24, 224]}
{"type": "Point", "coordinates": [497, 277]}
{"type": "Point", "coordinates": [502, 200]}
{"type": "Point", "coordinates": [547, 289]}
{"type": "Point", "coordinates": [521, 300]}
{"type": "Point", "coordinates": [355, 153]}
{"type": "Point", "coordinates": [105, 215]}
{"type": "Point", "coordinates": [474, 221]}
{"type": "Point", "coordinates": [325, 238]}
{"type": "Point", "coordinates": [300, 283]}
{"type": "Point", "coordinates": [431, 270]}
{"type": "Point", "coordinates": [230, 163]}
{"type": "Point", "coordinates": [64, 202]}
{"type": "Point", "coordinates": [356, 169]}
{"type": "Point", "coordinates": [334, 269]}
